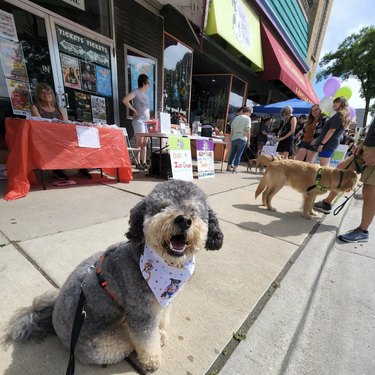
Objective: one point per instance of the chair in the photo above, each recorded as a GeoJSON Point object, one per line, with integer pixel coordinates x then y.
{"type": "Point", "coordinates": [132, 150]}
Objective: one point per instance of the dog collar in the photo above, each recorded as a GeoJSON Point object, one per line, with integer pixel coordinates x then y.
{"type": "Point", "coordinates": [165, 281]}
{"type": "Point", "coordinates": [317, 182]}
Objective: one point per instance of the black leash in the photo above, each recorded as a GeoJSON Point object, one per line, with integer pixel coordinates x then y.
{"type": "Point", "coordinates": [79, 318]}
{"type": "Point", "coordinates": [338, 209]}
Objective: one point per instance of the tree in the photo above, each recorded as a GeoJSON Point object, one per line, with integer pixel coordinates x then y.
{"type": "Point", "coordinates": [354, 58]}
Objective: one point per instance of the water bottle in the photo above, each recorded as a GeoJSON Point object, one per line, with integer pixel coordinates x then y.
{"type": "Point", "coordinates": [196, 126]}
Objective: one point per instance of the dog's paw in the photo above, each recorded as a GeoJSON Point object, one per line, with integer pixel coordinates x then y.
{"type": "Point", "coordinates": [151, 362]}
{"type": "Point", "coordinates": [313, 213]}
{"type": "Point", "coordinates": [307, 216]}
{"type": "Point", "coordinates": [271, 209]}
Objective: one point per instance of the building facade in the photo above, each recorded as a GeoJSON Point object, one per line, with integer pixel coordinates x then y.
{"type": "Point", "coordinates": [204, 58]}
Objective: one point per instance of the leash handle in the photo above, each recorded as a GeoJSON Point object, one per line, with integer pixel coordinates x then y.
{"type": "Point", "coordinates": [79, 318]}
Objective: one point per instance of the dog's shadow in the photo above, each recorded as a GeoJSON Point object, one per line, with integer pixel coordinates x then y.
{"type": "Point", "coordinates": [50, 357]}
{"type": "Point", "coordinates": [285, 224]}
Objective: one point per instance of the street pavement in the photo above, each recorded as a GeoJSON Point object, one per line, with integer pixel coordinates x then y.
{"type": "Point", "coordinates": [46, 234]}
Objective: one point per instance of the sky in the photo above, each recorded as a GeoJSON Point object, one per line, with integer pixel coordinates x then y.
{"type": "Point", "coordinates": [347, 17]}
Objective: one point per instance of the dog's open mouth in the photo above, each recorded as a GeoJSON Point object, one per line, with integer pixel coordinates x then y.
{"type": "Point", "coordinates": [177, 245]}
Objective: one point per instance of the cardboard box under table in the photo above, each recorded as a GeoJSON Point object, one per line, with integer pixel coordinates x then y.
{"type": "Point", "coordinates": [48, 145]}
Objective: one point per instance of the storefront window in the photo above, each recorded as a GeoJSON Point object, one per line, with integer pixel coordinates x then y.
{"type": "Point", "coordinates": [137, 63]}
{"type": "Point", "coordinates": [210, 96]}
{"type": "Point", "coordinates": [236, 97]}
{"type": "Point", "coordinates": [93, 14]}
{"type": "Point", "coordinates": [177, 77]}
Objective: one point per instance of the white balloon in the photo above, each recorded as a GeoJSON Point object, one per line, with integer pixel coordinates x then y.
{"type": "Point", "coordinates": [326, 104]}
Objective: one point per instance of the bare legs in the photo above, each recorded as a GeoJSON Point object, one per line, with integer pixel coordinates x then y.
{"type": "Point", "coordinates": [141, 156]}
{"type": "Point", "coordinates": [368, 207]}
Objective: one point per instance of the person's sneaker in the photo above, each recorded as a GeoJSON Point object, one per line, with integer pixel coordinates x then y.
{"type": "Point", "coordinates": [140, 167]}
{"type": "Point", "coordinates": [323, 207]}
{"type": "Point", "coordinates": [355, 235]}
{"type": "Point", "coordinates": [84, 173]}
{"type": "Point", "coordinates": [59, 175]}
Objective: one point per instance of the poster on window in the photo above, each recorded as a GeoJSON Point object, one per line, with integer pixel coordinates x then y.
{"type": "Point", "coordinates": [20, 97]}
{"type": "Point", "coordinates": [205, 158]}
{"type": "Point", "coordinates": [141, 65]}
{"type": "Point", "coordinates": [13, 61]}
{"type": "Point", "coordinates": [180, 152]}
{"type": "Point", "coordinates": [70, 71]}
{"type": "Point", "coordinates": [103, 81]}
{"type": "Point", "coordinates": [7, 26]}
{"type": "Point", "coordinates": [83, 106]}
{"type": "Point", "coordinates": [88, 76]}
{"type": "Point", "coordinates": [98, 109]}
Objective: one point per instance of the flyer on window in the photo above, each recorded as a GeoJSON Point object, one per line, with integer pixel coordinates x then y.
{"type": "Point", "coordinates": [70, 71]}
{"type": "Point", "coordinates": [88, 76]}
{"type": "Point", "coordinates": [99, 113]}
{"type": "Point", "coordinates": [103, 81]}
{"type": "Point", "coordinates": [13, 61]}
{"type": "Point", "coordinates": [83, 106]}
{"type": "Point", "coordinates": [20, 97]}
{"type": "Point", "coordinates": [7, 26]}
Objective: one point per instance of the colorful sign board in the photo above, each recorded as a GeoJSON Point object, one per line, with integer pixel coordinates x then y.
{"type": "Point", "coordinates": [205, 158]}
{"type": "Point", "coordinates": [180, 152]}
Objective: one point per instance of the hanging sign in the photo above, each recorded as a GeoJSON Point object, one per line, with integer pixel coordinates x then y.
{"type": "Point", "coordinates": [7, 26]}
{"type": "Point", "coordinates": [13, 61]}
{"type": "Point", "coordinates": [80, 4]}
{"type": "Point", "coordinates": [205, 158]}
{"type": "Point", "coordinates": [182, 165]}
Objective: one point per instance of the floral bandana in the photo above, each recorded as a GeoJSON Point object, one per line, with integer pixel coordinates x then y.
{"type": "Point", "coordinates": [164, 280]}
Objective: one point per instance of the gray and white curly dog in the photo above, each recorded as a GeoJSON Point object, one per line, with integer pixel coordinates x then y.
{"type": "Point", "coordinates": [176, 221]}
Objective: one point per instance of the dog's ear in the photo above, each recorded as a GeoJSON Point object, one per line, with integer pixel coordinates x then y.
{"type": "Point", "coordinates": [215, 236]}
{"type": "Point", "coordinates": [137, 213]}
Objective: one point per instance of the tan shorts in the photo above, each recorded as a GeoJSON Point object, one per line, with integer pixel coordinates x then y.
{"type": "Point", "coordinates": [368, 173]}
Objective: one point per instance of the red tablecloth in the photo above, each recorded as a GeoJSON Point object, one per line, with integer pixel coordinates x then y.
{"type": "Point", "coordinates": [47, 145]}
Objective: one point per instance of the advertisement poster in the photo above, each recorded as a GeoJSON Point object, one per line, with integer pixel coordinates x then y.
{"type": "Point", "coordinates": [13, 61]}
{"type": "Point", "coordinates": [88, 76]}
{"type": "Point", "coordinates": [182, 165]}
{"type": "Point", "coordinates": [70, 71]}
{"type": "Point", "coordinates": [84, 48]}
{"type": "Point", "coordinates": [20, 98]}
{"type": "Point", "coordinates": [83, 106]}
{"type": "Point", "coordinates": [205, 158]}
{"type": "Point", "coordinates": [98, 109]}
{"type": "Point", "coordinates": [7, 26]}
{"type": "Point", "coordinates": [103, 81]}
{"type": "Point", "coordinates": [338, 156]}
{"type": "Point", "coordinates": [141, 65]}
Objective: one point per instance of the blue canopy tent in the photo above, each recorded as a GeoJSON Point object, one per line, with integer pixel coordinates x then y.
{"type": "Point", "coordinates": [299, 107]}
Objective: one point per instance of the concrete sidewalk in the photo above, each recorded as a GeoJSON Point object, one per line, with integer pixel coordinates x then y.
{"type": "Point", "coordinates": [46, 234]}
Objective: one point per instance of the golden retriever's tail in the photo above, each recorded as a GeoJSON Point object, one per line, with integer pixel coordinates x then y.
{"type": "Point", "coordinates": [262, 185]}
{"type": "Point", "coordinates": [34, 322]}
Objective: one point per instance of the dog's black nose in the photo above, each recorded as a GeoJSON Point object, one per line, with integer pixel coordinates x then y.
{"type": "Point", "coordinates": [183, 221]}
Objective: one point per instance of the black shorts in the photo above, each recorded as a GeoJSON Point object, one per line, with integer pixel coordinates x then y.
{"type": "Point", "coordinates": [286, 145]}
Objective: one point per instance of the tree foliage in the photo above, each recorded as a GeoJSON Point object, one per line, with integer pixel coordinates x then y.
{"type": "Point", "coordinates": [354, 58]}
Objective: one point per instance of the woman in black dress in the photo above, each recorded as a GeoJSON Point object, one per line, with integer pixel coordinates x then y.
{"type": "Point", "coordinates": [286, 134]}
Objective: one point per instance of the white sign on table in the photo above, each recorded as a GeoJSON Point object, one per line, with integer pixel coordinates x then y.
{"type": "Point", "coordinates": [88, 136]}
{"type": "Point", "coordinates": [165, 122]}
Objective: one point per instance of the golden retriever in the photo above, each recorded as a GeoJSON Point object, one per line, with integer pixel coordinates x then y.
{"type": "Point", "coordinates": [302, 177]}
{"type": "Point", "coordinates": [261, 161]}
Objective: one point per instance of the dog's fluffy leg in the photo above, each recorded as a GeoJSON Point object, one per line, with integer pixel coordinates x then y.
{"type": "Point", "coordinates": [34, 322]}
{"type": "Point", "coordinates": [164, 324]}
{"type": "Point", "coordinates": [308, 202]}
{"type": "Point", "coordinates": [146, 340]}
{"type": "Point", "coordinates": [271, 191]}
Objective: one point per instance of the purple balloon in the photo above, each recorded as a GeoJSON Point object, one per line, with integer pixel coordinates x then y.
{"type": "Point", "coordinates": [352, 113]}
{"type": "Point", "coordinates": [331, 86]}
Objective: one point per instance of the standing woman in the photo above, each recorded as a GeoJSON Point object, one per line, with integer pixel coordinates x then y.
{"type": "Point", "coordinates": [333, 130]}
{"type": "Point", "coordinates": [312, 130]}
{"type": "Point", "coordinates": [286, 135]}
{"type": "Point", "coordinates": [240, 137]}
{"type": "Point", "coordinates": [140, 107]}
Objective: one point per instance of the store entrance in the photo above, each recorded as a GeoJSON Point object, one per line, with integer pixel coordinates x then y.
{"type": "Point", "coordinates": [36, 46]}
